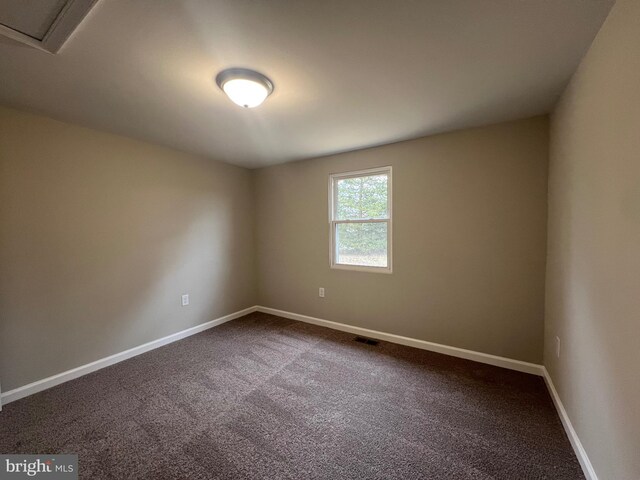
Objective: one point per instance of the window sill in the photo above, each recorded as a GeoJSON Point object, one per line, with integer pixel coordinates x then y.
{"type": "Point", "coordinates": [359, 268]}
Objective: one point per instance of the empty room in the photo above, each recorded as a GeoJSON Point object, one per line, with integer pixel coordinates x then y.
{"type": "Point", "coordinates": [355, 239]}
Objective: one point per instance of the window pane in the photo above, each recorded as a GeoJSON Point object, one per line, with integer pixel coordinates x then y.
{"type": "Point", "coordinates": [362, 244]}
{"type": "Point", "coordinates": [361, 198]}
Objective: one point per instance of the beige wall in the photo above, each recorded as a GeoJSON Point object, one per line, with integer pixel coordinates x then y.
{"type": "Point", "coordinates": [593, 268]}
{"type": "Point", "coordinates": [469, 238]}
{"type": "Point", "coordinates": [100, 235]}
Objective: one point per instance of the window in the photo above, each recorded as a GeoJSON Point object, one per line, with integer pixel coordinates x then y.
{"type": "Point", "coordinates": [360, 217]}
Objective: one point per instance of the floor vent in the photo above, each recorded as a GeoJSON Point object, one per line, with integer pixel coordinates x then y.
{"type": "Point", "coordinates": [368, 341]}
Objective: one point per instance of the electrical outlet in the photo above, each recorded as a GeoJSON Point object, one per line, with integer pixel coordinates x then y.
{"type": "Point", "coordinates": [321, 292]}
{"type": "Point", "coordinates": [185, 299]}
{"type": "Point", "coordinates": [558, 347]}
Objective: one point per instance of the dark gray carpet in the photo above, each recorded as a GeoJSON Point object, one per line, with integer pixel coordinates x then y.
{"type": "Point", "coordinates": [264, 397]}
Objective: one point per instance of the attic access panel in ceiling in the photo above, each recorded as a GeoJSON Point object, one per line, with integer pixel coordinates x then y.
{"type": "Point", "coordinates": [43, 24]}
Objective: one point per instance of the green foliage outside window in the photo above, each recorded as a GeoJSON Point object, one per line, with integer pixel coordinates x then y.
{"type": "Point", "coordinates": [362, 198]}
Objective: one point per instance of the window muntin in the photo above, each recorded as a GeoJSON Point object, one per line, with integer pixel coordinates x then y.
{"type": "Point", "coordinates": [360, 217]}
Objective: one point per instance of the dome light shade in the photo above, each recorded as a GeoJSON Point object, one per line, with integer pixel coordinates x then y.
{"type": "Point", "coordinates": [244, 87]}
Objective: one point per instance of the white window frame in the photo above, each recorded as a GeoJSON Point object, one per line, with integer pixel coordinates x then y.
{"type": "Point", "coordinates": [333, 223]}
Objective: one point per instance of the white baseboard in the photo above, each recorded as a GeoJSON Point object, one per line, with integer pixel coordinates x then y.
{"type": "Point", "coordinates": [509, 363]}
{"type": "Point", "coordinates": [579, 450]}
{"type": "Point", "coordinates": [45, 383]}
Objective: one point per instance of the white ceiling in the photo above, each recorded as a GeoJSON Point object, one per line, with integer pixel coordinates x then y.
{"type": "Point", "coordinates": [347, 73]}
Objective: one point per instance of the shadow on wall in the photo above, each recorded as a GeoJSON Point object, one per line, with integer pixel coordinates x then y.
{"type": "Point", "coordinates": [104, 235]}
{"type": "Point", "coordinates": [595, 371]}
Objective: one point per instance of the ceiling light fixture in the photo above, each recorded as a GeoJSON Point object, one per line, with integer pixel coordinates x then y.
{"type": "Point", "coordinates": [244, 87]}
